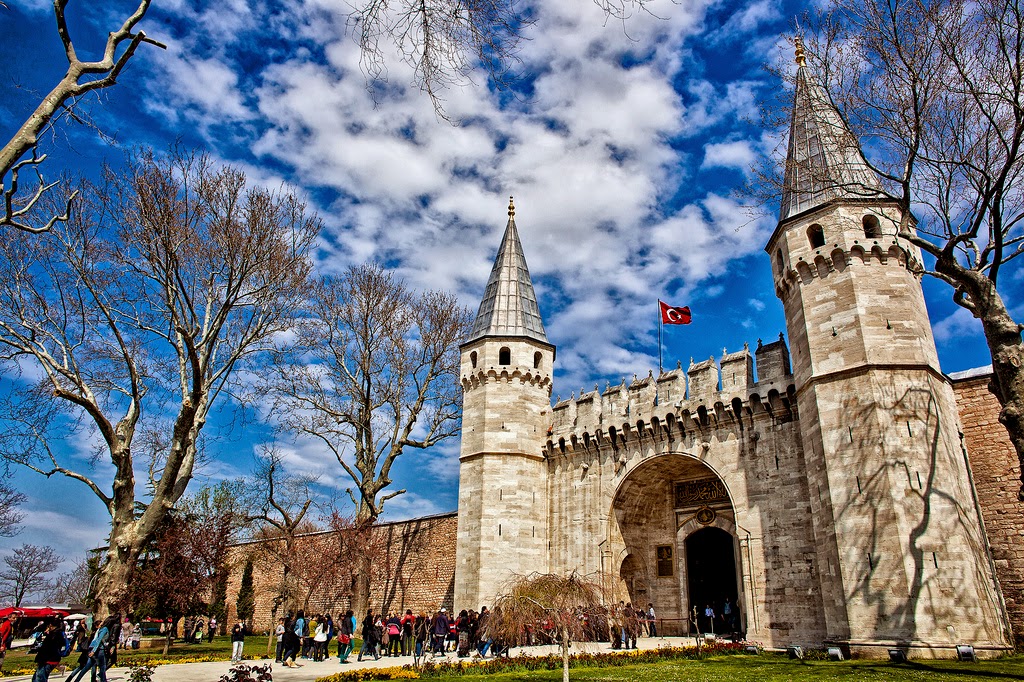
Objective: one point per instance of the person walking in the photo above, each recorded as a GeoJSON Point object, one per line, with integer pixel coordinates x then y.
{"type": "Point", "coordinates": [394, 629]}
{"type": "Point", "coordinates": [346, 631]}
{"type": "Point", "coordinates": [291, 645]}
{"type": "Point", "coordinates": [408, 620]}
{"type": "Point", "coordinates": [421, 632]}
{"type": "Point", "coordinates": [440, 632]}
{"type": "Point", "coordinates": [97, 656]}
{"type": "Point", "coordinates": [369, 637]}
{"type": "Point", "coordinates": [6, 637]}
{"type": "Point", "coordinates": [237, 641]}
{"type": "Point", "coordinates": [652, 625]}
{"type": "Point", "coordinates": [51, 650]}
{"type": "Point", "coordinates": [279, 635]}
{"type": "Point", "coordinates": [320, 639]}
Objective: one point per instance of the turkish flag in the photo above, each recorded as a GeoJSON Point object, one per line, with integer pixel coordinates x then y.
{"type": "Point", "coordinates": [673, 315]}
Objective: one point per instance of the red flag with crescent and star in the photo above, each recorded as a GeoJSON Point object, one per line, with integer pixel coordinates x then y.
{"type": "Point", "coordinates": [674, 315]}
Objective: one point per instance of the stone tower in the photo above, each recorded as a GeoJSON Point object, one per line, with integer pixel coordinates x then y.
{"type": "Point", "coordinates": [901, 551]}
{"type": "Point", "coordinates": [506, 413]}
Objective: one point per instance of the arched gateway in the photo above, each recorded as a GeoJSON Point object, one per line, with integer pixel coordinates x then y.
{"type": "Point", "coordinates": [675, 528]}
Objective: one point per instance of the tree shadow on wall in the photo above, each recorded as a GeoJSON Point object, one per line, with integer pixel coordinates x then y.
{"type": "Point", "coordinates": [905, 493]}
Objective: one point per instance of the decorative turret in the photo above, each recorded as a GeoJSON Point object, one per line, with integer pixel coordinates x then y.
{"type": "Point", "coordinates": [824, 161]}
{"type": "Point", "coordinates": [506, 380]}
{"type": "Point", "coordinates": [509, 306]}
{"type": "Point", "coordinates": [891, 502]}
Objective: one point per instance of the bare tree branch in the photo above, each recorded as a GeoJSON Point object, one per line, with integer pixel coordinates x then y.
{"type": "Point", "coordinates": [81, 78]}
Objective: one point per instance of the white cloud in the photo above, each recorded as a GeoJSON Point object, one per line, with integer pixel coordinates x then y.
{"type": "Point", "coordinates": [737, 154]}
{"type": "Point", "coordinates": [960, 323]}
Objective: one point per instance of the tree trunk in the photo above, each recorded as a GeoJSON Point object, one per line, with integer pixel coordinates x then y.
{"type": "Point", "coordinates": [977, 293]}
{"type": "Point", "coordinates": [112, 581]}
{"type": "Point", "coordinates": [1004, 341]}
{"type": "Point", "coordinates": [361, 584]}
{"type": "Point", "coordinates": [565, 653]}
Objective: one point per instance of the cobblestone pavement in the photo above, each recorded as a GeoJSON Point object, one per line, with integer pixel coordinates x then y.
{"type": "Point", "coordinates": [211, 672]}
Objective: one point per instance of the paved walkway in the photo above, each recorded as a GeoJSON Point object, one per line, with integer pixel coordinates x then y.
{"type": "Point", "coordinates": [211, 672]}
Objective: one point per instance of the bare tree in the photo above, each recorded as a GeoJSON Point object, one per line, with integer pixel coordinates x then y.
{"type": "Point", "coordinates": [380, 374]}
{"type": "Point", "coordinates": [281, 504]}
{"type": "Point", "coordinates": [25, 570]}
{"type": "Point", "coordinates": [72, 587]}
{"type": "Point", "coordinates": [172, 276]}
{"type": "Point", "coordinates": [565, 604]}
{"type": "Point", "coordinates": [10, 517]}
{"type": "Point", "coordinates": [934, 90]}
{"type": "Point", "coordinates": [20, 154]}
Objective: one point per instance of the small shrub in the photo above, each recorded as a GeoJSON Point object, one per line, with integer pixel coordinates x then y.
{"type": "Point", "coordinates": [140, 672]}
{"type": "Point", "coordinates": [246, 673]}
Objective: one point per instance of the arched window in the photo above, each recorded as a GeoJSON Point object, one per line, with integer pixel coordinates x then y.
{"type": "Point", "coordinates": [872, 230]}
{"type": "Point", "coordinates": [472, 359]}
{"type": "Point", "coordinates": [505, 356]}
{"type": "Point", "coordinates": [536, 360]}
{"type": "Point", "coordinates": [778, 262]}
{"type": "Point", "coordinates": [816, 235]}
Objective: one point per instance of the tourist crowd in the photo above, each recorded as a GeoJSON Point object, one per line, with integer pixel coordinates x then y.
{"type": "Point", "coordinates": [467, 634]}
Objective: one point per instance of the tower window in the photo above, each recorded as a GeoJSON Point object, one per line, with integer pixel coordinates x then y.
{"type": "Point", "coordinates": [536, 360]}
{"type": "Point", "coordinates": [872, 230]}
{"type": "Point", "coordinates": [505, 356]}
{"type": "Point", "coordinates": [778, 261]}
{"type": "Point", "coordinates": [816, 235]}
{"type": "Point", "coordinates": [472, 359]}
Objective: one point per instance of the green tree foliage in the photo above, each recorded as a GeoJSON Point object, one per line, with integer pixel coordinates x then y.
{"type": "Point", "coordinates": [246, 602]}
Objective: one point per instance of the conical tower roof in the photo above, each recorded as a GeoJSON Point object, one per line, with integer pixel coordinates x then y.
{"type": "Point", "coordinates": [824, 160]}
{"type": "Point", "coordinates": [509, 306]}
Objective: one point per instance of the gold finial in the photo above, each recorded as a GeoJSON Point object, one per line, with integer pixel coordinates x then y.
{"type": "Point", "coordinates": [801, 59]}
{"type": "Point", "coordinates": [511, 208]}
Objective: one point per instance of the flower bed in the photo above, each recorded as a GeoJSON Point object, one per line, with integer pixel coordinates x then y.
{"type": "Point", "coordinates": [528, 663]}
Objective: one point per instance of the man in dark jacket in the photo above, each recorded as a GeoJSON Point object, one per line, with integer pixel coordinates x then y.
{"type": "Point", "coordinates": [440, 630]}
{"type": "Point", "coordinates": [50, 651]}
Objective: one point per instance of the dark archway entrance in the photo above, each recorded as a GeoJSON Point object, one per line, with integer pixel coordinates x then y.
{"type": "Point", "coordinates": [711, 578]}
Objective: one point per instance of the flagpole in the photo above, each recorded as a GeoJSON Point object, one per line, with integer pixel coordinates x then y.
{"type": "Point", "coordinates": [659, 338]}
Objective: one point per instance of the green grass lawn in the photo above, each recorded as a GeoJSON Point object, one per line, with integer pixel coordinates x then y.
{"type": "Point", "coordinates": [219, 648]}
{"type": "Point", "coordinates": [775, 667]}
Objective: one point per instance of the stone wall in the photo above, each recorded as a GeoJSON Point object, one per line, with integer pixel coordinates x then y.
{"type": "Point", "coordinates": [996, 473]}
{"type": "Point", "coordinates": [415, 569]}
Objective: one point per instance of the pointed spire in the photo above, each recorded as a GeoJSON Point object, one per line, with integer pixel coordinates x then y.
{"type": "Point", "coordinates": [509, 306]}
{"type": "Point", "coordinates": [824, 160]}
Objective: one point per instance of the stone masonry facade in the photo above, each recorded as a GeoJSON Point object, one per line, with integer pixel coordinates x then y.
{"type": "Point", "coordinates": [414, 569]}
{"type": "Point", "coordinates": [838, 490]}
{"type": "Point", "coordinates": [996, 472]}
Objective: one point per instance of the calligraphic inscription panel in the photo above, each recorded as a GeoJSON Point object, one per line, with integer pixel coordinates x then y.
{"type": "Point", "coordinates": [703, 491]}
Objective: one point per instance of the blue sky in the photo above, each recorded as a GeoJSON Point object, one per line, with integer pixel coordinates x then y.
{"type": "Point", "coordinates": [623, 144]}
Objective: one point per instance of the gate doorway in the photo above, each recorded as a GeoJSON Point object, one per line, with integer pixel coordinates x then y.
{"type": "Point", "coordinates": [711, 578]}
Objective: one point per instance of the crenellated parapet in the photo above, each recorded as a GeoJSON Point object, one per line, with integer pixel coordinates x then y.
{"type": "Point", "coordinates": [824, 262]}
{"type": "Point", "coordinates": [505, 375]}
{"type": "Point", "coordinates": [710, 394]}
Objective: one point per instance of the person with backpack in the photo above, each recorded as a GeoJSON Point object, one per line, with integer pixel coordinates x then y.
{"type": "Point", "coordinates": [96, 661]}
{"type": "Point", "coordinates": [408, 620]}
{"type": "Point", "coordinates": [394, 629]}
{"type": "Point", "coordinates": [52, 648]}
{"type": "Point", "coordinates": [421, 631]}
